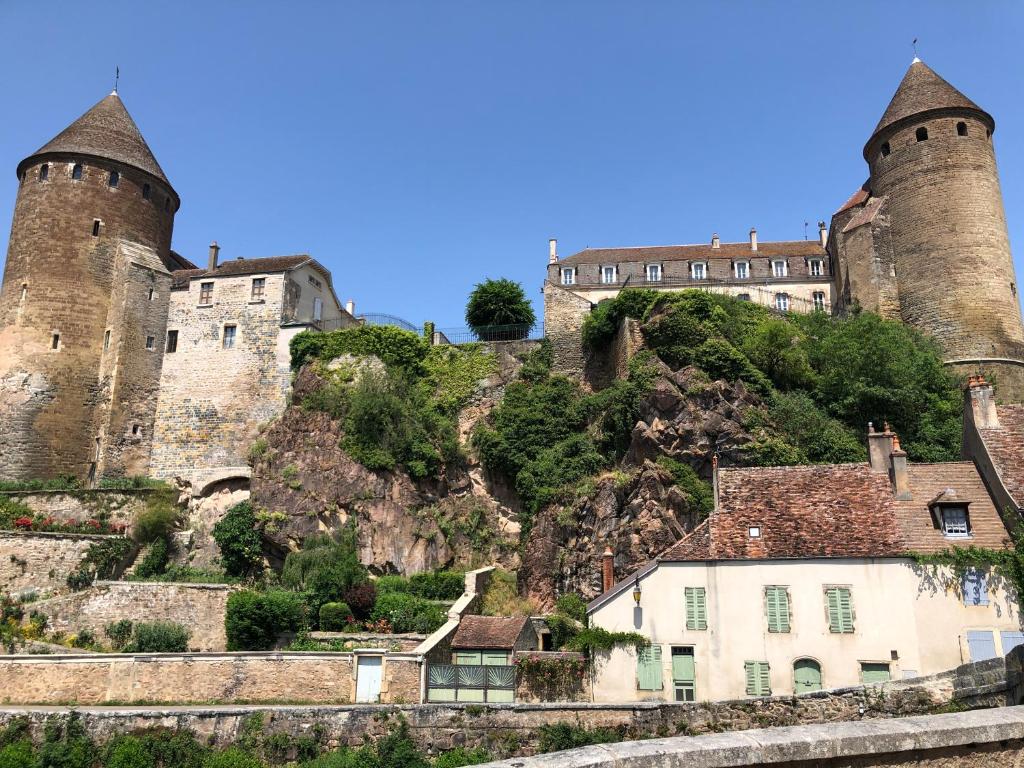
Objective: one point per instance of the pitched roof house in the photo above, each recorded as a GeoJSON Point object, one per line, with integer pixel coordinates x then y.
{"type": "Point", "coordinates": [802, 578]}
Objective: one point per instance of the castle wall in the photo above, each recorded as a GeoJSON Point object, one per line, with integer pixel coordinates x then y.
{"type": "Point", "coordinates": [952, 253]}
{"type": "Point", "coordinates": [865, 266]}
{"type": "Point", "coordinates": [212, 400]}
{"type": "Point", "coordinates": [59, 279]}
{"type": "Point", "coordinates": [120, 507]}
{"type": "Point", "coordinates": [41, 562]}
{"type": "Point", "coordinates": [198, 607]}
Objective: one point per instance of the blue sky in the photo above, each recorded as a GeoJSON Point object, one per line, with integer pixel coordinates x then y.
{"type": "Point", "coordinates": [417, 147]}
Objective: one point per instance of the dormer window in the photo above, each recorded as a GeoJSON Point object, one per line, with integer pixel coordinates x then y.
{"type": "Point", "coordinates": [814, 266]}
{"type": "Point", "coordinates": [699, 270]}
{"type": "Point", "coordinates": [955, 522]}
{"type": "Point", "coordinates": [741, 269]}
{"type": "Point", "coordinates": [654, 273]}
{"type": "Point", "coordinates": [608, 275]}
{"type": "Point", "coordinates": [780, 268]}
{"type": "Point", "coordinates": [568, 275]}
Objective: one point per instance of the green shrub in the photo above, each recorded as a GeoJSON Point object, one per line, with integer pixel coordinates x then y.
{"type": "Point", "coordinates": [563, 630]}
{"type": "Point", "coordinates": [453, 373]}
{"type": "Point", "coordinates": [408, 613]}
{"type": "Point", "coordinates": [325, 569]}
{"type": "Point", "coordinates": [232, 757]}
{"type": "Point", "coordinates": [572, 605]}
{"type": "Point", "coordinates": [157, 519]}
{"type": "Point", "coordinates": [334, 616]}
{"type": "Point", "coordinates": [394, 346]}
{"type": "Point", "coordinates": [820, 437]}
{"type": "Point", "coordinates": [86, 638]}
{"type": "Point", "coordinates": [460, 756]}
{"type": "Point", "coordinates": [103, 560]}
{"type": "Point", "coordinates": [600, 325]}
{"type": "Point", "coordinates": [17, 754]}
{"type": "Point", "coordinates": [155, 561]}
{"type": "Point", "coordinates": [561, 736]}
{"type": "Point", "coordinates": [65, 744]}
{"type": "Point", "coordinates": [119, 632]}
{"type": "Point", "coordinates": [158, 637]}
{"type": "Point", "coordinates": [128, 752]}
{"type": "Point", "coordinates": [239, 541]}
{"type": "Point", "coordinates": [392, 583]}
{"type": "Point", "coordinates": [699, 492]}
{"type": "Point", "coordinates": [438, 585]}
{"type": "Point", "coordinates": [499, 304]}
{"type": "Point", "coordinates": [255, 620]}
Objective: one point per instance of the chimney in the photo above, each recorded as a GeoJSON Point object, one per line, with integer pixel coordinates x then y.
{"type": "Point", "coordinates": [607, 569]}
{"type": "Point", "coordinates": [900, 478]}
{"type": "Point", "coordinates": [880, 447]}
{"type": "Point", "coordinates": [753, 239]}
{"type": "Point", "coordinates": [350, 307]}
{"type": "Point", "coordinates": [214, 252]}
{"type": "Point", "coordinates": [552, 251]}
{"type": "Point", "coordinates": [983, 402]}
{"type": "Point", "coordinates": [822, 233]}
{"type": "Point", "coordinates": [714, 240]}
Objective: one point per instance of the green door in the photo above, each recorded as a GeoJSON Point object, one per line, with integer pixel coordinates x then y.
{"type": "Point", "coordinates": [684, 676]}
{"type": "Point", "coordinates": [806, 676]}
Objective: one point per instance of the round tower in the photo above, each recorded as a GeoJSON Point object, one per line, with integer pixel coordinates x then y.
{"type": "Point", "coordinates": [81, 197]}
{"type": "Point", "coordinates": [932, 159]}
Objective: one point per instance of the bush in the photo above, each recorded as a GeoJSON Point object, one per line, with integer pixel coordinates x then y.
{"type": "Point", "coordinates": [572, 605]}
{"type": "Point", "coordinates": [560, 736]}
{"type": "Point", "coordinates": [232, 757]}
{"type": "Point", "coordinates": [361, 599]}
{"type": "Point", "coordinates": [408, 613]}
{"type": "Point", "coordinates": [461, 756]}
{"type": "Point", "coordinates": [395, 347]}
{"type": "Point", "coordinates": [254, 620]}
{"type": "Point", "coordinates": [155, 561]}
{"type": "Point", "coordinates": [325, 569]}
{"type": "Point", "coordinates": [600, 325]}
{"type": "Point", "coordinates": [157, 519]}
{"type": "Point", "coordinates": [439, 585]}
{"type": "Point", "coordinates": [240, 543]}
{"type": "Point", "coordinates": [334, 616]}
{"type": "Point", "coordinates": [128, 752]}
{"type": "Point", "coordinates": [392, 583]}
{"type": "Point", "coordinates": [119, 632]}
{"type": "Point", "coordinates": [158, 637]}
{"type": "Point", "coordinates": [499, 303]}
{"type": "Point", "coordinates": [17, 754]}
{"type": "Point", "coordinates": [699, 492]}
{"type": "Point", "coordinates": [103, 560]}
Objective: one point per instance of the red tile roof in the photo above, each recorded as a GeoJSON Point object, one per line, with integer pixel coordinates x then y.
{"type": "Point", "coordinates": [857, 198]}
{"type": "Point", "coordinates": [498, 632]}
{"type": "Point", "coordinates": [699, 252]}
{"type": "Point", "coordinates": [866, 215]}
{"type": "Point", "coordinates": [836, 510]}
{"type": "Point", "coordinates": [237, 267]}
{"type": "Point", "coordinates": [1005, 445]}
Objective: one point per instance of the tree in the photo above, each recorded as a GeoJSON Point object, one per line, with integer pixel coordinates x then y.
{"type": "Point", "coordinates": [499, 310]}
{"type": "Point", "coordinates": [241, 545]}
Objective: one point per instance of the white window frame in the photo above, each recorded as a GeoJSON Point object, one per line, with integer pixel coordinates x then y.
{"type": "Point", "coordinates": [700, 266]}
{"type": "Point", "coordinates": [818, 297]}
{"type": "Point", "coordinates": [614, 274]}
{"type": "Point", "coordinates": [224, 336]}
{"type": "Point", "coordinates": [955, 528]}
{"type": "Point", "coordinates": [745, 265]}
{"type": "Point", "coordinates": [815, 267]}
{"type": "Point", "coordinates": [785, 268]}
{"type": "Point", "coordinates": [318, 308]}
{"type": "Point", "coordinates": [653, 272]}
{"type": "Point", "coordinates": [782, 302]}
{"type": "Point", "coordinates": [568, 275]}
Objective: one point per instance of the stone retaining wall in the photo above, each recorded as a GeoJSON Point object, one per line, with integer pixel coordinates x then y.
{"type": "Point", "coordinates": [41, 562]}
{"type": "Point", "coordinates": [198, 607]}
{"type": "Point", "coordinates": [316, 678]}
{"type": "Point", "coordinates": [118, 506]}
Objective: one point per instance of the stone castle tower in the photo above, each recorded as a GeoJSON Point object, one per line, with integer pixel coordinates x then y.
{"type": "Point", "coordinates": [925, 239]}
{"type": "Point", "coordinates": [83, 307]}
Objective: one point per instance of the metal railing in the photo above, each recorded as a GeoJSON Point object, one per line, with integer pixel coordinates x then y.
{"type": "Point", "coordinates": [521, 332]}
{"type": "Point", "coordinates": [471, 682]}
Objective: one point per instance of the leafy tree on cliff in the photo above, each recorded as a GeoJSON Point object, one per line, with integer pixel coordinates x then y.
{"type": "Point", "coordinates": [240, 543]}
{"type": "Point", "coordinates": [499, 303]}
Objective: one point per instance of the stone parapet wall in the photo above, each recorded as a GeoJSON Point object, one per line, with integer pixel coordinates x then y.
{"type": "Point", "coordinates": [118, 506]}
{"type": "Point", "coordinates": [41, 562]}
{"type": "Point", "coordinates": [316, 678]}
{"type": "Point", "coordinates": [198, 607]}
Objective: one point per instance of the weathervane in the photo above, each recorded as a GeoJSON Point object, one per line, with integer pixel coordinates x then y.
{"type": "Point", "coordinates": [117, 77]}
{"type": "Point", "coordinates": [915, 49]}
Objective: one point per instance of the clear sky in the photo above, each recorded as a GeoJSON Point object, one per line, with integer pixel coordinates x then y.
{"type": "Point", "coordinates": [417, 147]}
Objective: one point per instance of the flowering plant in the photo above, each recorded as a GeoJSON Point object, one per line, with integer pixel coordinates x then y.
{"type": "Point", "coordinates": [556, 673]}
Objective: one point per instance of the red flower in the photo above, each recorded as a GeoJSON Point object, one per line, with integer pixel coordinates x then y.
{"type": "Point", "coordinates": [25, 523]}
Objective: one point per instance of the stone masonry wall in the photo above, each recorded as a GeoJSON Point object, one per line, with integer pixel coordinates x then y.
{"type": "Point", "coordinates": [564, 313]}
{"type": "Point", "coordinates": [198, 607]}
{"type": "Point", "coordinates": [212, 399]}
{"type": "Point", "coordinates": [226, 678]}
{"type": "Point", "coordinates": [41, 562]}
{"type": "Point", "coordinates": [119, 506]}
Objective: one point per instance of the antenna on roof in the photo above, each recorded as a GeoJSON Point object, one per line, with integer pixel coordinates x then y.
{"type": "Point", "coordinates": [117, 77]}
{"type": "Point", "coordinates": [915, 49]}
{"type": "Point", "coordinates": [805, 230]}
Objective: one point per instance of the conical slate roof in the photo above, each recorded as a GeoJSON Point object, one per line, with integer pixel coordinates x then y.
{"type": "Point", "coordinates": [921, 90]}
{"type": "Point", "coordinates": [107, 131]}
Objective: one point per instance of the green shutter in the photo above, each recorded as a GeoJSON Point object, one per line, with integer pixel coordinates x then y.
{"type": "Point", "coordinates": [467, 657]}
{"type": "Point", "coordinates": [648, 668]}
{"type": "Point", "coordinates": [758, 676]}
{"type": "Point", "coordinates": [840, 609]}
{"type": "Point", "coordinates": [776, 606]}
{"type": "Point", "coordinates": [874, 673]}
{"type": "Point", "coordinates": [495, 658]}
{"type": "Point", "coordinates": [696, 608]}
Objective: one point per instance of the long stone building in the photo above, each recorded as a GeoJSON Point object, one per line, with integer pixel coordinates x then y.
{"type": "Point", "coordinates": [924, 240]}
{"type": "Point", "coordinates": [117, 355]}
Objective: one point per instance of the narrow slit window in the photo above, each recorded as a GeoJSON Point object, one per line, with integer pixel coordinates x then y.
{"type": "Point", "coordinates": [961, 129]}
{"type": "Point", "coordinates": [44, 171]}
{"type": "Point", "coordinates": [95, 227]}
{"type": "Point", "coordinates": [24, 292]}
{"type": "Point", "coordinates": [106, 340]}
{"type": "Point", "coordinates": [152, 293]}
{"type": "Point", "coordinates": [922, 134]}
{"type": "Point", "coordinates": [76, 172]}
{"type": "Point", "coordinates": [172, 341]}
{"type": "Point", "coordinates": [55, 341]}
{"type": "Point", "coordinates": [115, 179]}
{"type": "Point", "coordinates": [150, 343]}
{"type": "Point", "coordinates": [885, 149]}
{"type": "Point", "coordinates": [145, 191]}
{"type": "Point", "coordinates": [136, 429]}
{"type": "Point", "coordinates": [167, 204]}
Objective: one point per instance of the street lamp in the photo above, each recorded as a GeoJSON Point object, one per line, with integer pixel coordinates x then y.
{"type": "Point", "coordinates": [636, 590]}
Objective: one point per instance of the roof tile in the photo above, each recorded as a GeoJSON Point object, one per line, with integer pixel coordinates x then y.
{"type": "Point", "coordinates": [688, 252]}
{"type": "Point", "coordinates": [499, 632]}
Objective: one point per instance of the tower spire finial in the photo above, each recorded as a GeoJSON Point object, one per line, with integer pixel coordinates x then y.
{"type": "Point", "coordinates": [117, 77]}
{"type": "Point", "coordinates": [914, 44]}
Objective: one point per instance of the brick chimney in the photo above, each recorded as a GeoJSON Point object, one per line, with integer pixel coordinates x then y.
{"type": "Point", "coordinates": [607, 569]}
{"type": "Point", "coordinates": [822, 233]}
{"type": "Point", "coordinates": [899, 477]}
{"type": "Point", "coordinates": [214, 253]}
{"type": "Point", "coordinates": [715, 242]}
{"type": "Point", "coordinates": [983, 402]}
{"type": "Point", "coordinates": [552, 251]}
{"type": "Point", "coordinates": [880, 448]}
{"type": "Point", "coordinates": [753, 239]}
